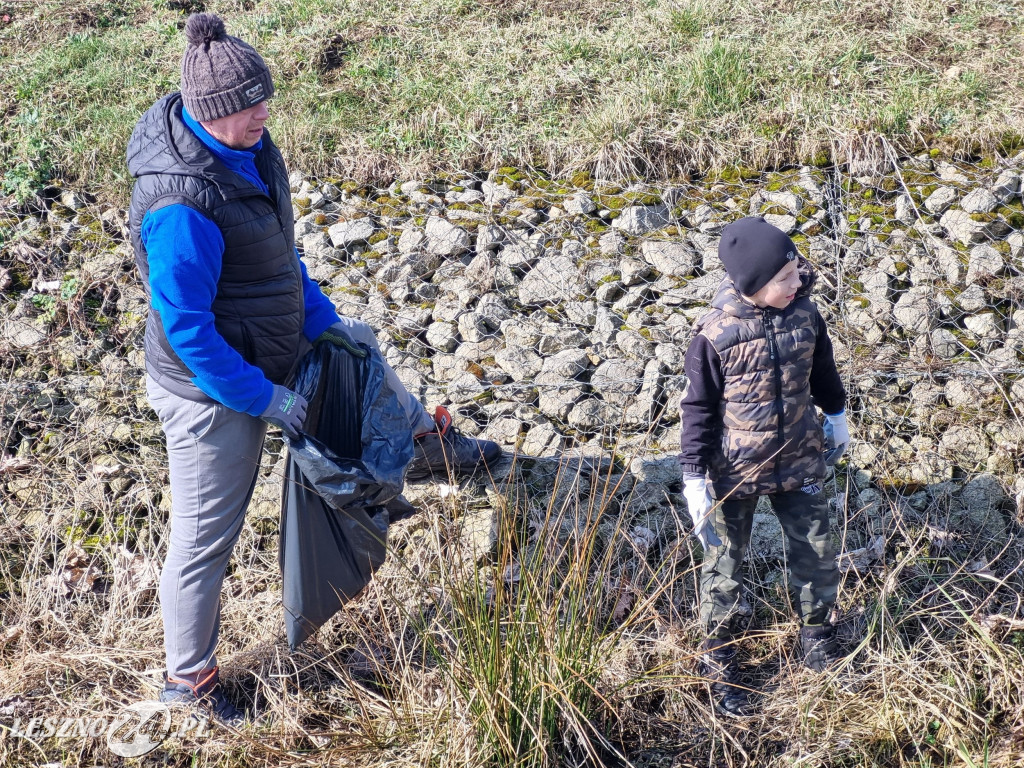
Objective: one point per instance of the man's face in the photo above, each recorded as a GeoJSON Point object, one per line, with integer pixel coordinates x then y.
{"type": "Point", "coordinates": [780, 291]}
{"type": "Point", "coordinates": [240, 130]}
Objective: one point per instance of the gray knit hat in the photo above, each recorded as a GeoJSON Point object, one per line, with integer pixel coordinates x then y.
{"type": "Point", "coordinates": [220, 74]}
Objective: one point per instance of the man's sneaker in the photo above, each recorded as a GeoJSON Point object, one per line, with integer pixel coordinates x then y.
{"type": "Point", "coordinates": [445, 452]}
{"type": "Point", "coordinates": [820, 647]}
{"type": "Point", "coordinates": [718, 664]}
{"type": "Point", "coordinates": [207, 695]}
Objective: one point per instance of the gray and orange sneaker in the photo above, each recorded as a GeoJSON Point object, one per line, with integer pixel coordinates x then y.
{"type": "Point", "coordinates": [445, 453]}
{"type": "Point", "coordinates": [206, 695]}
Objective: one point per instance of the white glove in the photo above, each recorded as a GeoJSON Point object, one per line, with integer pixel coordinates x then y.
{"type": "Point", "coordinates": [698, 502]}
{"type": "Point", "coordinates": [837, 437]}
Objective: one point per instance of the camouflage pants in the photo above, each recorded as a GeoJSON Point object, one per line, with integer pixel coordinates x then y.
{"type": "Point", "coordinates": [813, 575]}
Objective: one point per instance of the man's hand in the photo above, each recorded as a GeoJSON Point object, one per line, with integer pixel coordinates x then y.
{"type": "Point", "coordinates": [698, 502]}
{"type": "Point", "coordinates": [287, 410]}
{"type": "Point", "coordinates": [338, 336]}
{"type": "Point", "coordinates": [837, 437]}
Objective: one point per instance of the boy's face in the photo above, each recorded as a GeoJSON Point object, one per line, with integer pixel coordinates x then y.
{"type": "Point", "coordinates": [780, 291]}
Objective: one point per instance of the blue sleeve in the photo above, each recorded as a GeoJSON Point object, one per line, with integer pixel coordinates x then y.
{"type": "Point", "coordinates": [185, 250]}
{"type": "Point", "coordinates": [320, 312]}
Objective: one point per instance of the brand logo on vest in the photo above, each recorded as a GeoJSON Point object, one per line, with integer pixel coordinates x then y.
{"type": "Point", "coordinates": [255, 93]}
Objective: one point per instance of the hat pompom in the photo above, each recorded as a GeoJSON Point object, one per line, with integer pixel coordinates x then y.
{"type": "Point", "coordinates": [204, 28]}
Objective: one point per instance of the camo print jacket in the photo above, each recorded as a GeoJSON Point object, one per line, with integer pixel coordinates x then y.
{"type": "Point", "coordinates": [754, 376]}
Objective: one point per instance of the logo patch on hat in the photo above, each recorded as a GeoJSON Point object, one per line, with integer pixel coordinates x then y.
{"type": "Point", "coordinates": [255, 94]}
{"type": "Point", "coordinates": [790, 256]}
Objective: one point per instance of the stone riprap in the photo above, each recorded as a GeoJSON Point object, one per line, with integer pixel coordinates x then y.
{"type": "Point", "coordinates": [552, 315]}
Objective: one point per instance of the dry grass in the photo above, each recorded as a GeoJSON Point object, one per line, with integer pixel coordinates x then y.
{"type": "Point", "coordinates": [542, 618]}
{"type": "Point", "coordinates": [660, 89]}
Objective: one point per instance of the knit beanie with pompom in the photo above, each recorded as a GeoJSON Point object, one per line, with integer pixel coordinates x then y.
{"type": "Point", "coordinates": [220, 74]}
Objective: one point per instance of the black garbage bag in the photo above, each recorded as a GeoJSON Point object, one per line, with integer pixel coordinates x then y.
{"type": "Point", "coordinates": [342, 483]}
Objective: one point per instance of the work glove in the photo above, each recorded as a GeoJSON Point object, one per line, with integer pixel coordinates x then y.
{"type": "Point", "coordinates": [338, 336]}
{"type": "Point", "coordinates": [698, 502]}
{"type": "Point", "coordinates": [837, 437]}
{"type": "Point", "coordinates": [287, 410]}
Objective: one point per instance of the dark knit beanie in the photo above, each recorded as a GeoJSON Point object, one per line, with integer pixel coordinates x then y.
{"type": "Point", "coordinates": [753, 252]}
{"type": "Point", "coordinates": [220, 74]}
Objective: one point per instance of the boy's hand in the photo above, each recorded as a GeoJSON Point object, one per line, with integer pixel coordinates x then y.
{"type": "Point", "coordinates": [698, 502]}
{"type": "Point", "coordinates": [837, 437]}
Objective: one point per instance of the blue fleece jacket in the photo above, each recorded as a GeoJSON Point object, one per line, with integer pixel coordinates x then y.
{"type": "Point", "coordinates": [185, 250]}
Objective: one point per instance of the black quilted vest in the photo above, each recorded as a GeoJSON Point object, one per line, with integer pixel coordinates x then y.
{"type": "Point", "coordinates": [258, 307]}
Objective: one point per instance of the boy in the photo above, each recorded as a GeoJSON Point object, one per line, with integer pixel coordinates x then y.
{"type": "Point", "coordinates": [760, 361]}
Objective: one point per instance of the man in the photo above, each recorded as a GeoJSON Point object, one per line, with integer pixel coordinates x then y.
{"type": "Point", "coordinates": [232, 311]}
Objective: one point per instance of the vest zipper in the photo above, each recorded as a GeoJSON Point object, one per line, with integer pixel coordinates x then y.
{"type": "Point", "coordinates": [773, 351]}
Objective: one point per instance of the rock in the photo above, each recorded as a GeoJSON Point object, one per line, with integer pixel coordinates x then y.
{"type": "Point", "coordinates": [966, 446]}
{"type": "Point", "coordinates": [985, 262]}
{"type": "Point", "coordinates": [634, 345]}
{"type": "Point", "coordinates": [945, 344]}
{"type": "Point", "coordinates": [641, 219]}
{"type": "Point", "coordinates": [634, 271]}
{"type": "Point", "coordinates": [346, 234]}
{"type": "Point", "coordinates": [480, 272]}
{"type": "Point", "coordinates": [468, 196]}
{"type": "Point", "coordinates": [786, 223]}
{"type": "Point", "coordinates": [557, 338]}
{"type": "Point", "coordinates": [968, 231]}
{"type": "Point", "coordinates": [442, 336]}
{"type": "Point", "coordinates": [579, 204]}
{"type": "Point", "coordinates": [611, 243]}
{"type": "Point", "coordinates": [979, 201]}
{"type": "Point", "coordinates": [541, 440]}
{"type": "Point", "coordinates": [986, 326]}
{"type": "Point", "coordinates": [905, 211]}
{"type": "Point", "coordinates": [472, 327]}
{"type": "Point", "coordinates": [949, 172]}
{"type": "Point", "coordinates": [972, 299]}
{"type": "Point", "coordinates": [489, 237]}
{"type": "Point", "coordinates": [983, 501]}
{"type": "Point", "coordinates": [588, 416]}
{"type": "Point", "coordinates": [22, 333]}
{"type": "Point", "coordinates": [618, 380]}
{"type": "Point", "coordinates": [703, 289]}
{"type": "Point", "coordinates": [791, 201]}
{"type": "Point", "coordinates": [567, 364]}
{"type": "Point", "coordinates": [670, 258]}
{"type": "Point", "coordinates": [1016, 242]}
{"type": "Point", "coordinates": [520, 363]}
{"type": "Point", "coordinates": [940, 200]}
{"type": "Point", "coordinates": [581, 312]}
{"type": "Point", "coordinates": [444, 238]}
{"type": "Point", "coordinates": [1006, 187]}
{"type": "Point", "coordinates": [496, 194]}
{"type": "Point", "coordinates": [556, 399]}
{"type": "Point", "coordinates": [411, 241]}
{"type": "Point", "coordinates": [554, 279]}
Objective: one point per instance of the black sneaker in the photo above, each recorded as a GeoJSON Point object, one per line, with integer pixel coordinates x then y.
{"type": "Point", "coordinates": [207, 695]}
{"type": "Point", "coordinates": [718, 664]}
{"type": "Point", "coordinates": [446, 452]}
{"type": "Point", "coordinates": [820, 647]}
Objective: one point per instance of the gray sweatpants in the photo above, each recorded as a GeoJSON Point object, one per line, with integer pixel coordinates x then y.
{"type": "Point", "coordinates": [213, 454]}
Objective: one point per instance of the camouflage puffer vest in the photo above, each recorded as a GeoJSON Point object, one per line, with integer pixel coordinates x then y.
{"type": "Point", "coordinates": [772, 440]}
